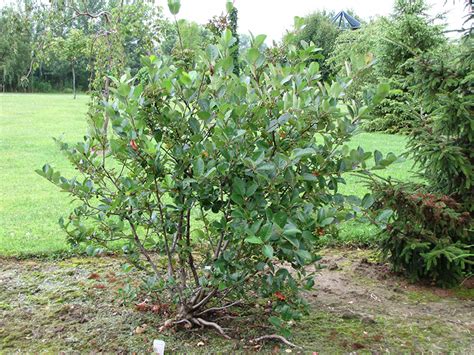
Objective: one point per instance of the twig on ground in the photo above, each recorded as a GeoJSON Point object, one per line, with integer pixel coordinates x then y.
{"type": "Point", "coordinates": [374, 297]}
{"type": "Point", "coordinates": [275, 337]}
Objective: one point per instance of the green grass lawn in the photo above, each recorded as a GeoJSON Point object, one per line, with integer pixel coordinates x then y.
{"type": "Point", "coordinates": [30, 206]}
{"type": "Point", "coordinates": [363, 234]}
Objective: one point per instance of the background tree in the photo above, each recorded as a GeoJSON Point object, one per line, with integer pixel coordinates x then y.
{"type": "Point", "coordinates": [130, 29]}
{"type": "Point", "coordinates": [386, 46]}
{"type": "Point", "coordinates": [408, 33]}
{"type": "Point", "coordinates": [218, 24]}
{"type": "Point", "coordinates": [318, 29]}
{"type": "Point", "coordinates": [442, 147]}
{"type": "Point", "coordinates": [73, 48]}
{"type": "Point", "coordinates": [233, 27]}
{"type": "Point", "coordinates": [358, 46]}
{"type": "Point", "coordinates": [186, 45]}
{"type": "Point", "coordinates": [140, 25]}
{"type": "Point", "coordinates": [431, 232]}
{"type": "Point", "coordinates": [15, 47]}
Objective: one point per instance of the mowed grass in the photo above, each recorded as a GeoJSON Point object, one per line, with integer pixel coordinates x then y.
{"type": "Point", "coordinates": [354, 233]}
{"type": "Point", "coordinates": [30, 206]}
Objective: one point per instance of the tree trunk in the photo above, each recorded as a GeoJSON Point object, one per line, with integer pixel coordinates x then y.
{"type": "Point", "coordinates": [73, 81]}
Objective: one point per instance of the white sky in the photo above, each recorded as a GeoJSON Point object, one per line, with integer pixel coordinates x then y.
{"type": "Point", "coordinates": [274, 17]}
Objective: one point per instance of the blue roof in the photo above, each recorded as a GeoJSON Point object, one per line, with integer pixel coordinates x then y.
{"type": "Point", "coordinates": [344, 20]}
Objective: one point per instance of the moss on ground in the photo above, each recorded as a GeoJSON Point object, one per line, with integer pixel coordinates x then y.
{"type": "Point", "coordinates": [424, 296]}
{"type": "Point", "coordinates": [327, 332]}
{"type": "Point", "coordinates": [463, 293]}
{"type": "Point", "coordinates": [74, 305]}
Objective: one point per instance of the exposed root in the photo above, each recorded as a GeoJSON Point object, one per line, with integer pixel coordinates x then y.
{"type": "Point", "coordinates": [187, 323]}
{"type": "Point", "coordinates": [168, 324]}
{"type": "Point", "coordinates": [195, 321]}
{"type": "Point", "coordinates": [213, 325]}
{"type": "Point", "coordinates": [275, 337]}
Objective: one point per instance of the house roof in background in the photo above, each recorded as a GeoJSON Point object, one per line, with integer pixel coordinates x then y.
{"type": "Point", "coordinates": [344, 20]}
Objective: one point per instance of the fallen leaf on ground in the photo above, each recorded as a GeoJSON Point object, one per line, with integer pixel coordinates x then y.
{"type": "Point", "coordinates": [142, 307]}
{"type": "Point", "coordinates": [94, 276]}
{"type": "Point", "coordinates": [141, 329]}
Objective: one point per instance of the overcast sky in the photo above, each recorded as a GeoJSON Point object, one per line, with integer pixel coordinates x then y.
{"type": "Point", "coordinates": [274, 17]}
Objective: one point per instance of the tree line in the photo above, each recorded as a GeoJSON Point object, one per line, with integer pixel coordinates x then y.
{"type": "Point", "coordinates": [69, 46]}
{"type": "Point", "coordinates": [66, 45]}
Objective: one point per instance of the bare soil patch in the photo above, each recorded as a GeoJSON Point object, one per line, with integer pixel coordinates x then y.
{"type": "Point", "coordinates": [354, 285]}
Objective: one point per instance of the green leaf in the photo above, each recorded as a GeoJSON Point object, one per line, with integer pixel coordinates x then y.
{"type": "Point", "coordinates": [123, 90]}
{"type": "Point", "coordinates": [210, 172]}
{"type": "Point", "coordinates": [280, 218]}
{"type": "Point", "coordinates": [298, 22]}
{"type": "Point", "coordinates": [304, 254]}
{"type": "Point", "coordinates": [309, 177]}
{"type": "Point", "coordinates": [253, 240]}
{"type": "Point", "coordinates": [313, 68]}
{"type": "Point", "coordinates": [301, 153]}
{"type": "Point", "coordinates": [227, 36]}
{"type": "Point", "coordinates": [367, 201]}
{"type": "Point", "coordinates": [378, 156]}
{"type": "Point", "coordinates": [204, 115]}
{"type": "Point", "coordinates": [212, 52]}
{"type": "Point", "coordinates": [335, 90]}
{"type": "Point", "coordinates": [252, 55]}
{"type": "Point", "coordinates": [198, 233]}
{"type": "Point", "coordinates": [275, 321]}
{"type": "Point", "coordinates": [309, 284]}
{"type": "Point", "coordinates": [237, 198]}
{"type": "Point", "coordinates": [267, 250]}
{"type": "Point", "coordinates": [174, 6]}
{"type": "Point", "coordinates": [227, 63]}
{"type": "Point", "coordinates": [381, 92]}
{"type": "Point", "coordinates": [195, 126]}
{"type": "Point", "coordinates": [198, 167]}
{"type": "Point", "coordinates": [185, 79]}
{"type": "Point", "coordinates": [290, 229]}
{"type": "Point", "coordinates": [90, 250]}
{"type": "Point", "coordinates": [326, 221]}
{"type": "Point", "coordinates": [266, 231]}
{"type": "Point", "coordinates": [251, 189]}
{"type": "Point", "coordinates": [238, 186]}
{"type": "Point", "coordinates": [47, 169]}
{"type": "Point", "coordinates": [258, 41]}
{"type": "Point", "coordinates": [384, 216]}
